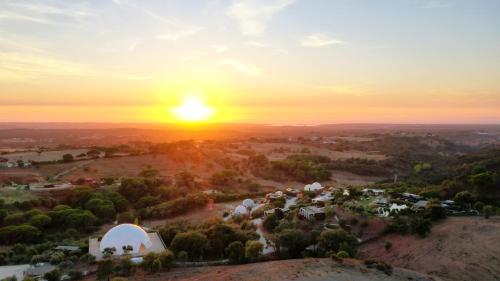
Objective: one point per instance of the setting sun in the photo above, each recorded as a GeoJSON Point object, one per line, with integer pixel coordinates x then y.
{"type": "Point", "coordinates": [193, 109]}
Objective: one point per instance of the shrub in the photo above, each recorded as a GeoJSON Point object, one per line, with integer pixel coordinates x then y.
{"type": "Point", "coordinates": [167, 260]}
{"type": "Point", "coordinates": [54, 275]}
{"type": "Point", "coordinates": [40, 221]}
{"type": "Point", "coordinates": [23, 233]}
{"type": "Point", "coordinates": [75, 275]}
{"type": "Point", "coordinates": [270, 222]}
{"type": "Point", "coordinates": [253, 250]}
{"type": "Point", "coordinates": [488, 211]}
{"type": "Point", "coordinates": [194, 243]}
{"type": "Point", "coordinates": [336, 240]}
{"type": "Point", "coordinates": [235, 252]}
{"type": "Point", "coordinates": [342, 255]}
{"type": "Point", "coordinates": [105, 269]}
{"type": "Point", "coordinates": [294, 241]}
{"type": "Point", "coordinates": [387, 245]}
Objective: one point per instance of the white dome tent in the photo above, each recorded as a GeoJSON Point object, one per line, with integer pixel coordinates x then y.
{"type": "Point", "coordinates": [125, 235]}
{"type": "Point", "coordinates": [313, 187]}
{"type": "Point", "coordinates": [240, 211]}
{"type": "Point", "coordinates": [248, 203]}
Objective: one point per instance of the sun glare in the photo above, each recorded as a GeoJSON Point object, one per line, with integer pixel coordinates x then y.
{"type": "Point", "coordinates": [193, 109]}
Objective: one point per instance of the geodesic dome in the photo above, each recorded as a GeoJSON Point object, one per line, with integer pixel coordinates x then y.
{"type": "Point", "coordinates": [124, 235]}
{"type": "Point", "coordinates": [313, 187]}
{"type": "Point", "coordinates": [248, 203]}
{"type": "Point", "coordinates": [240, 211]}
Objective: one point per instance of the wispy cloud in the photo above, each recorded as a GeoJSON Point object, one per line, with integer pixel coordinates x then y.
{"type": "Point", "coordinates": [254, 15]}
{"type": "Point", "coordinates": [178, 34]}
{"type": "Point", "coordinates": [22, 67]}
{"type": "Point", "coordinates": [256, 44]}
{"type": "Point", "coordinates": [42, 13]}
{"type": "Point", "coordinates": [219, 48]}
{"type": "Point", "coordinates": [245, 68]}
{"type": "Point", "coordinates": [319, 40]}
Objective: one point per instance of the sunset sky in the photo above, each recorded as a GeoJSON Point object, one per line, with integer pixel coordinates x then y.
{"type": "Point", "coordinates": [252, 61]}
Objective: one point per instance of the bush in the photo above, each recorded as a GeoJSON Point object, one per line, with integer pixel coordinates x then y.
{"type": "Point", "coordinates": [75, 275]}
{"type": "Point", "coordinates": [253, 250]}
{"type": "Point", "coordinates": [488, 211]}
{"type": "Point", "coordinates": [342, 255]}
{"type": "Point", "coordinates": [23, 233]}
{"type": "Point", "coordinates": [336, 240]}
{"type": "Point", "coordinates": [235, 252]}
{"type": "Point", "coordinates": [270, 222]}
{"type": "Point", "coordinates": [194, 243]}
{"type": "Point", "coordinates": [54, 275]}
{"type": "Point", "coordinates": [479, 206]}
{"type": "Point", "coordinates": [294, 241]}
{"type": "Point", "coordinates": [420, 226]}
{"type": "Point", "coordinates": [105, 269]}
{"type": "Point", "coordinates": [387, 245]}
{"type": "Point", "coordinates": [40, 221]}
{"type": "Point", "coordinates": [167, 260]}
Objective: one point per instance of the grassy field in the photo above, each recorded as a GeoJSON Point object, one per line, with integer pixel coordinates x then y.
{"type": "Point", "coordinates": [44, 156]}
{"type": "Point", "coordinates": [10, 195]}
{"type": "Point", "coordinates": [269, 149]}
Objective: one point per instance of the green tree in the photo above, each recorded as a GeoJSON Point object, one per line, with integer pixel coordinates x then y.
{"type": "Point", "coordinates": [105, 269]}
{"type": "Point", "coordinates": [40, 221]}
{"type": "Point", "coordinates": [125, 267]}
{"type": "Point", "coordinates": [420, 226]}
{"type": "Point", "coordinates": [75, 275]}
{"type": "Point", "coordinates": [342, 255]}
{"type": "Point", "coordinates": [435, 210]}
{"type": "Point", "coordinates": [336, 240]}
{"type": "Point", "coordinates": [464, 198]}
{"type": "Point", "coordinates": [488, 211]}
{"type": "Point", "coordinates": [54, 275]}
{"type": "Point", "coordinates": [23, 233]}
{"type": "Point", "coordinates": [270, 222]}
{"type": "Point", "coordinates": [147, 262]}
{"type": "Point", "coordinates": [235, 252]}
{"type": "Point", "coordinates": [220, 236]}
{"type": "Point", "coordinates": [167, 260]}
{"type": "Point", "coordinates": [253, 250]}
{"type": "Point", "coordinates": [156, 266]}
{"type": "Point", "coordinates": [192, 242]}
{"type": "Point", "coordinates": [294, 241]}
{"type": "Point", "coordinates": [479, 205]}
{"type": "Point", "coordinates": [66, 158]}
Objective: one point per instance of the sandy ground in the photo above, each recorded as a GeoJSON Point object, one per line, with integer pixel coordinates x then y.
{"type": "Point", "coordinates": [297, 270]}
{"type": "Point", "coordinates": [459, 248]}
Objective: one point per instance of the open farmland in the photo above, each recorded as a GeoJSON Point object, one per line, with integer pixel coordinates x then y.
{"type": "Point", "coordinates": [277, 151]}
{"type": "Point", "coordinates": [11, 195]}
{"type": "Point", "coordinates": [45, 156]}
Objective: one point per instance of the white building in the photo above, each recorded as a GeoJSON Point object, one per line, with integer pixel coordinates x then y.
{"type": "Point", "coordinates": [373, 192]}
{"type": "Point", "coordinates": [248, 203]}
{"type": "Point", "coordinates": [240, 211]}
{"type": "Point", "coordinates": [323, 198]}
{"type": "Point", "coordinates": [314, 187]}
{"type": "Point", "coordinates": [124, 235]}
{"type": "Point", "coordinates": [311, 212]}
